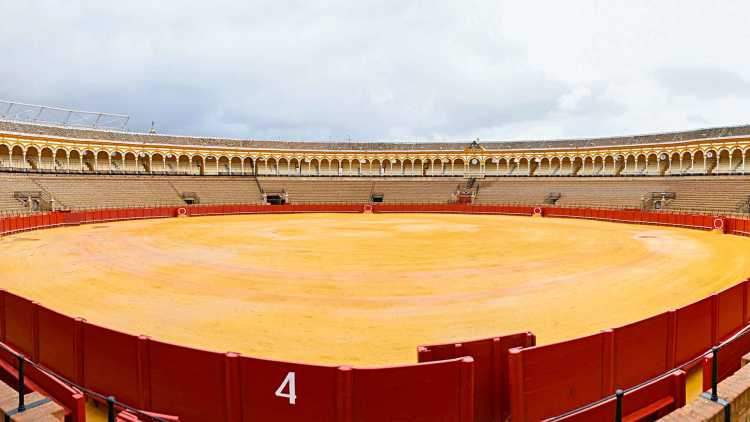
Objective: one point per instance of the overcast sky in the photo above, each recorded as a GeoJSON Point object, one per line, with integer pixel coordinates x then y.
{"type": "Point", "coordinates": [385, 70]}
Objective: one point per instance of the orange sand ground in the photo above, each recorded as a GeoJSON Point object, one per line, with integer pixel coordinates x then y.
{"type": "Point", "coordinates": [365, 289]}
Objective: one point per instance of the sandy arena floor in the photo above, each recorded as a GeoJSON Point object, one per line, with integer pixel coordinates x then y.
{"type": "Point", "coordinates": [365, 289]}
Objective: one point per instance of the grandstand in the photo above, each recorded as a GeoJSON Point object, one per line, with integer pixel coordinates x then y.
{"type": "Point", "coordinates": [53, 174]}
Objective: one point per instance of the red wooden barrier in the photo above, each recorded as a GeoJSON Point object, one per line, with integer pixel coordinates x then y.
{"type": "Point", "coordinates": [730, 359]}
{"type": "Point", "coordinates": [185, 382]}
{"type": "Point", "coordinates": [694, 330]}
{"type": "Point", "coordinates": [19, 323]}
{"type": "Point", "coordinates": [112, 363]}
{"type": "Point", "coordinates": [491, 383]}
{"type": "Point", "coordinates": [646, 403]}
{"type": "Point", "coordinates": [549, 380]}
{"type": "Point", "coordinates": [643, 350]}
{"type": "Point", "coordinates": [318, 390]}
{"type": "Point", "coordinates": [731, 310]}
{"type": "Point", "coordinates": [435, 391]}
{"type": "Point", "coordinates": [73, 402]}
{"type": "Point", "coordinates": [57, 338]}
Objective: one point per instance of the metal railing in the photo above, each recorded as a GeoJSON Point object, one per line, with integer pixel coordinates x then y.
{"type": "Point", "coordinates": [620, 393]}
{"type": "Point", "coordinates": [112, 403]}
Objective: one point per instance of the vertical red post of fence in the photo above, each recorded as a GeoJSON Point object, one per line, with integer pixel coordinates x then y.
{"type": "Point", "coordinates": [344, 412]}
{"type": "Point", "coordinates": [78, 349]}
{"type": "Point", "coordinates": [233, 387]}
{"type": "Point", "coordinates": [467, 390]}
{"type": "Point", "coordinates": [144, 372]}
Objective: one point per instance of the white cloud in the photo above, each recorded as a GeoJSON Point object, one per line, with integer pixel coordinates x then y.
{"type": "Point", "coordinates": [384, 69]}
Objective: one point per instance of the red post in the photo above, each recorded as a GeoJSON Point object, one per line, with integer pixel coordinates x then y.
{"type": "Point", "coordinates": [714, 319]}
{"type": "Point", "coordinates": [497, 369]}
{"type": "Point", "coordinates": [2, 315]}
{"type": "Point", "coordinates": [467, 390]}
{"type": "Point", "coordinates": [78, 352]}
{"type": "Point", "coordinates": [233, 393]}
{"type": "Point", "coordinates": [672, 339]}
{"type": "Point", "coordinates": [344, 394]}
{"type": "Point", "coordinates": [608, 362]}
{"type": "Point", "coordinates": [35, 331]}
{"type": "Point", "coordinates": [515, 378]}
{"type": "Point", "coordinates": [678, 385]}
{"type": "Point", "coordinates": [144, 373]}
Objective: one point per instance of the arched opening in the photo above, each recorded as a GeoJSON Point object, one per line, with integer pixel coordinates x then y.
{"type": "Point", "coordinates": [374, 167]}
{"type": "Point", "coordinates": [46, 159]}
{"type": "Point", "coordinates": [75, 160]}
{"type": "Point", "coordinates": [61, 160]}
{"type": "Point", "coordinates": [588, 167]}
{"type": "Point", "coordinates": [89, 161]}
{"type": "Point", "coordinates": [183, 164]}
{"type": "Point", "coordinates": [211, 165]}
{"type": "Point", "coordinates": [5, 156]}
{"type": "Point", "coordinates": [420, 167]}
{"type": "Point", "coordinates": [157, 163]}
{"type": "Point", "coordinates": [248, 165]}
{"type": "Point", "coordinates": [736, 161]}
{"type": "Point", "coordinates": [566, 167]}
{"type": "Point", "coordinates": [609, 166]}
{"type": "Point", "coordinates": [554, 166]}
{"type": "Point", "coordinates": [117, 163]}
{"type": "Point", "coordinates": [102, 161]}
{"type": "Point", "coordinates": [324, 167]}
{"type": "Point", "coordinates": [17, 157]}
{"type": "Point", "coordinates": [630, 165]}
{"type": "Point", "coordinates": [543, 169]}
{"type": "Point", "coordinates": [170, 163]}
{"type": "Point", "coordinates": [675, 164]}
{"type": "Point", "coordinates": [746, 162]}
{"type": "Point", "coordinates": [294, 166]}
{"type": "Point", "coordinates": [315, 167]}
{"type": "Point", "coordinates": [711, 162]}
{"type": "Point", "coordinates": [224, 165]}
{"type": "Point", "coordinates": [640, 165]}
{"type": "Point", "coordinates": [699, 162]}
{"type": "Point", "coordinates": [32, 158]}
{"type": "Point", "coordinates": [129, 163]}
{"type": "Point", "coordinates": [652, 165]}
{"type": "Point", "coordinates": [458, 167]}
{"type": "Point", "coordinates": [577, 166]}
{"type": "Point", "coordinates": [724, 165]}
{"type": "Point", "coordinates": [523, 167]}
{"type": "Point", "coordinates": [598, 166]}
{"type": "Point", "coordinates": [502, 167]}
{"type": "Point", "coordinates": [198, 166]}
{"type": "Point", "coordinates": [354, 168]}
{"type": "Point", "coordinates": [474, 165]}
{"type": "Point", "coordinates": [284, 167]}
{"type": "Point", "coordinates": [144, 162]}
{"type": "Point", "coordinates": [406, 166]}
{"type": "Point", "coordinates": [686, 163]}
{"type": "Point", "coordinates": [335, 166]}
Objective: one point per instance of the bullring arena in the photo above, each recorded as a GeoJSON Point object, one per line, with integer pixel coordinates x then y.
{"type": "Point", "coordinates": [195, 279]}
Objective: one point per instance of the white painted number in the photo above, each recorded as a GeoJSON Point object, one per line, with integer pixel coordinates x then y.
{"type": "Point", "coordinates": [290, 382]}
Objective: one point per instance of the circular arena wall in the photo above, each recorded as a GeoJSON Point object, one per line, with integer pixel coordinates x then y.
{"type": "Point", "coordinates": [488, 275]}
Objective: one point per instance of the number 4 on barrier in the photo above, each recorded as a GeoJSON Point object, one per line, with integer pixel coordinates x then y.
{"type": "Point", "coordinates": [291, 382]}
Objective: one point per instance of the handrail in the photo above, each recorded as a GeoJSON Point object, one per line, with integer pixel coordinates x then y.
{"type": "Point", "coordinates": [112, 403]}
{"type": "Point", "coordinates": [714, 381]}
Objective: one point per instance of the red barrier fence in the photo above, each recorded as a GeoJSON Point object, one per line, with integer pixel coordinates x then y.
{"type": "Point", "coordinates": [72, 400]}
{"type": "Point", "coordinates": [201, 385]}
{"type": "Point", "coordinates": [552, 379]}
{"type": "Point", "coordinates": [646, 403]}
{"type": "Point", "coordinates": [491, 383]}
{"type": "Point", "coordinates": [534, 382]}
